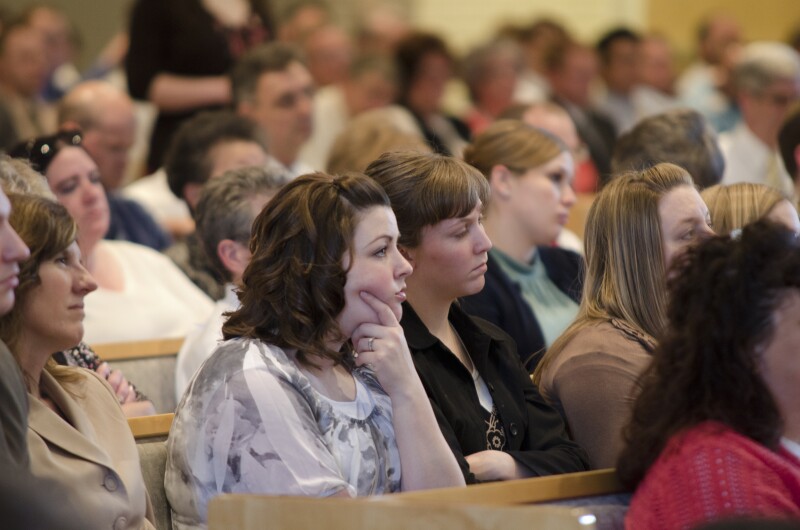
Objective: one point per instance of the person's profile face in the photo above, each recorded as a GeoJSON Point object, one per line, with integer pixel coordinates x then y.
{"type": "Point", "coordinates": [685, 221]}
{"type": "Point", "coordinates": [12, 251]}
{"type": "Point", "coordinates": [53, 309]}
{"type": "Point", "coordinates": [450, 260]}
{"type": "Point", "coordinates": [375, 265]}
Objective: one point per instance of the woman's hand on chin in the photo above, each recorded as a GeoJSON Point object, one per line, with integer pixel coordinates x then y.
{"type": "Point", "coordinates": [383, 347]}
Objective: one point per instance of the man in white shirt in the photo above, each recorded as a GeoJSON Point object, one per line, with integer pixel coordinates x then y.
{"type": "Point", "coordinates": [225, 212]}
{"type": "Point", "coordinates": [767, 81]}
{"type": "Point", "coordinates": [273, 88]}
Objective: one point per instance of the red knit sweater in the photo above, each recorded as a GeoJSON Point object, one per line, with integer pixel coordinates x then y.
{"type": "Point", "coordinates": [710, 472]}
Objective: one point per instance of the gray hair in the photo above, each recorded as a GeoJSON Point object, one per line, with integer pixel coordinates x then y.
{"type": "Point", "coordinates": [682, 137]}
{"type": "Point", "coordinates": [17, 176]}
{"type": "Point", "coordinates": [763, 63]}
{"type": "Point", "coordinates": [224, 212]}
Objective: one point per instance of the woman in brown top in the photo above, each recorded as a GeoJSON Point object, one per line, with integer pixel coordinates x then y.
{"type": "Point", "coordinates": [636, 227]}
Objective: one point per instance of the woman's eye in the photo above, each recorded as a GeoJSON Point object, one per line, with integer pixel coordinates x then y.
{"type": "Point", "coordinates": [381, 253]}
{"type": "Point", "coordinates": [66, 189]}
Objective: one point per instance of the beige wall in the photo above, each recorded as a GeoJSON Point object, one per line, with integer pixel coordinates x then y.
{"type": "Point", "coordinates": [467, 22]}
{"type": "Point", "coordinates": [760, 19]}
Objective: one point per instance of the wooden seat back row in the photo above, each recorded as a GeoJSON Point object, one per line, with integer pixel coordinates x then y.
{"type": "Point", "coordinates": [150, 365]}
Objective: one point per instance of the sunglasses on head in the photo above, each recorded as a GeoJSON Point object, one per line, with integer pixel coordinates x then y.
{"type": "Point", "coordinates": [41, 151]}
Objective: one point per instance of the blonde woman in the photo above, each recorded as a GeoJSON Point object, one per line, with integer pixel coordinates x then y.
{"type": "Point", "coordinates": [636, 228]}
{"type": "Point", "coordinates": [532, 288]}
{"type": "Point", "coordinates": [735, 206]}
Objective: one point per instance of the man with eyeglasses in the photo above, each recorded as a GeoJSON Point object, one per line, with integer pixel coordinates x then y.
{"type": "Point", "coordinates": [767, 83]}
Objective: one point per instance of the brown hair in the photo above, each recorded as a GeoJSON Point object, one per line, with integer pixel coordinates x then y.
{"type": "Point", "coordinates": [47, 229]}
{"type": "Point", "coordinates": [293, 289]}
{"type": "Point", "coordinates": [426, 188]}
{"type": "Point", "coordinates": [514, 144]}
{"type": "Point", "coordinates": [626, 277]}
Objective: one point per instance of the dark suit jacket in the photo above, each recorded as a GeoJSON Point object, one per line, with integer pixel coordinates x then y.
{"type": "Point", "coordinates": [535, 434]}
{"type": "Point", "coordinates": [501, 301]}
{"type": "Point", "coordinates": [13, 412]}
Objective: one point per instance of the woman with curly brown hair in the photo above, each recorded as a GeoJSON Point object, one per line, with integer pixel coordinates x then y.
{"type": "Point", "coordinates": [715, 432]}
{"type": "Point", "coordinates": [313, 391]}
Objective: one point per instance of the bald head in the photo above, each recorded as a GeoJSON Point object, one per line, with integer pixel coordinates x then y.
{"type": "Point", "coordinates": [106, 117]}
{"type": "Point", "coordinates": [555, 120]}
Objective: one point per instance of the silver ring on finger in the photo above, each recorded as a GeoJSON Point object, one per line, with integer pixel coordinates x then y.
{"type": "Point", "coordinates": [369, 344]}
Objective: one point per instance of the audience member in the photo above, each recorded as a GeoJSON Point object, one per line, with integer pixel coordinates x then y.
{"type": "Point", "coordinates": [301, 18]}
{"type": "Point", "coordinates": [273, 88]}
{"type": "Point", "coordinates": [618, 51]}
{"type": "Point", "coordinates": [180, 53]}
{"type": "Point", "coordinates": [313, 391]}
{"type": "Point", "coordinates": [14, 412]}
{"type": "Point", "coordinates": [23, 69]}
{"type": "Point", "coordinates": [225, 213]}
{"type": "Point", "coordinates": [134, 281]}
{"type": "Point", "coordinates": [371, 84]}
{"type": "Point", "coordinates": [767, 80]}
{"type": "Point", "coordinates": [16, 176]}
{"type": "Point", "coordinates": [789, 146]}
{"type": "Point", "coordinates": [204, 147]}
{"type": "Point", "coordinates": [105, 116]}
{"type": "Point", "coordinates": [490, 72]}
{"type": "Point", "coordinates": [371, 134]}
{"type": "Point", "coordinates": [329, 54]}
{"type": "Point", "coordinates": [700, 84]}
{"type": "Point", "coordinates": [537, 41]}
{"type": "Point", "coordinates": [735, 206]}
{"type": "Point", "coordinates": [61, 45]}
{"type": "Point", "coordinates": [532, 289]}
{"type": "Point", "coordinates": [571, 70]}
{"type": "Point", "coordinates": [381, 27]}
{"type": "Point", "coordinates": [715, 432]}
{"type": "Point", "coordinates": [76, 429]}
{"type": "Point", "coordinates": [655, 69]}
{"type": "Point", "coordinates": [554, 119]}
{"type": "Point", "coordinates": [493, 417]}
{"type": "Point", "coordinates": [425, 65]}
{"type": "Point", "coordinates": [681, 137]}
{"type": "Point", "coordinates": [636, 228]}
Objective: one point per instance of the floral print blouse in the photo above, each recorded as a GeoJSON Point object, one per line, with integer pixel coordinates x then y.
{"type": "Point", "coordinates": [250, 422]}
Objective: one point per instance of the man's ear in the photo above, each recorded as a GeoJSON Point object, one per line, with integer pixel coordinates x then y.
{"type": "Point", "coordinates": [234, 256]}
{"type": "Point", "coordinates": [501, 181]}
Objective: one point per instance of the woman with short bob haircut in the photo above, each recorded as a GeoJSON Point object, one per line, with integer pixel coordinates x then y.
{"type": "Point", "coordinates": [635, 228]}
{"type": "Point", "coordinates": [77, 433]}
{"type": "Point", "coordinates": [496, 422]}
{"type": "Point", "coordinates": [313, 391]}
{"type": "Point", "coordinates": [715, 432]}
{"type": "Point", "coordinates": [532, 288]}
{"type": "Point", "coordinates": [734, 206]}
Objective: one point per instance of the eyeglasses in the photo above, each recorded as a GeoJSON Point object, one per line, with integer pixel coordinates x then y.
{"type": "Point", "coordinates": [41, 151]}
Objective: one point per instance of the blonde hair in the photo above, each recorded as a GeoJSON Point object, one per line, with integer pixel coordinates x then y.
{"type": "Point", "coordinates": [514, 144]}
{"type": "Point", "coordinates": [735, 206]}
{"type": "Point", "coordinates": [17, 176]}
{"type": "Point", "coordinates": [625, 270]}
{"type": "Point", "coordinates": [368, 136]}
